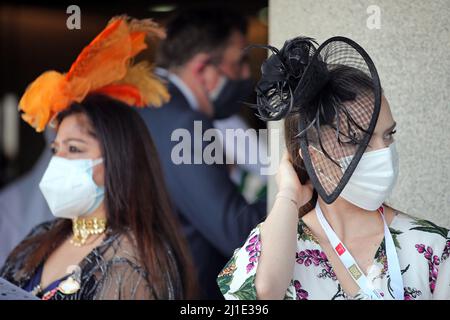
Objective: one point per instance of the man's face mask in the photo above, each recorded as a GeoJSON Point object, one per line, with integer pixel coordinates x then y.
{"type": "Point", "coordinates": [228, 96]}
{"type": "Point", "coordinates": [373, 179]}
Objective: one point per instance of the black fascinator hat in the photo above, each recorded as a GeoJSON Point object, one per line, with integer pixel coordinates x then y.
{"type": "Point", "coordinates": [336, 92]}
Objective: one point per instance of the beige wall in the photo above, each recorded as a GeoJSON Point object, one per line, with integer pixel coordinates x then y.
{"type": "Point", "coordinates": [410, 51]}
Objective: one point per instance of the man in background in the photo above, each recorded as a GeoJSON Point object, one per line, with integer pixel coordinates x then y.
{"type": "Point", "coordinates": [202, 59]}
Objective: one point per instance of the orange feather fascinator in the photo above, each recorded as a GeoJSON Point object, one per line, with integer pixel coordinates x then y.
{"type": "Point", "coordinates": [104, 66]}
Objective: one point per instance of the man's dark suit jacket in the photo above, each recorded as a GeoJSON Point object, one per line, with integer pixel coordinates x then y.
{"type": "Point", "coordinates": [215, 218]}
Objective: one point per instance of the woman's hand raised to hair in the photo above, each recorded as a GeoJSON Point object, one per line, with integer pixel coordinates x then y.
{"type": "Point", "coordinates": [279, 234]}
{"type": "Point", "coordinates": [289, 184]}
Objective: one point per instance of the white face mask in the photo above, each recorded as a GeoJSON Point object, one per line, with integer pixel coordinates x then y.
{"type": "Point", "coordinates": [373, 179]}
{"type": "Point", "coordinates": [69, 187]}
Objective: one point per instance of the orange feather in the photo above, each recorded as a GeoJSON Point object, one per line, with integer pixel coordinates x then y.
{"type": "Point", "coordinates": [104, 66]}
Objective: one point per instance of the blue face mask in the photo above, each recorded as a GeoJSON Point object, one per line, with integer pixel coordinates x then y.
{"type": "Point", "coordinates": [69, 188]}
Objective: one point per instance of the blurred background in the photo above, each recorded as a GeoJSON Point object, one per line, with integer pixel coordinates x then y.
{"type": "Point", "coordinates": [34, 38]}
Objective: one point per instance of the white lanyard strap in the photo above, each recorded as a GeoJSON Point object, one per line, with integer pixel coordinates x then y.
{"type": "Point", "coordinates": [395, 272]}
{"type": "Point", "coordinates": [352, 267]}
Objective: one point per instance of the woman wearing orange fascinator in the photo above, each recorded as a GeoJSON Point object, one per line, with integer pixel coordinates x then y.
{"type": "Point", "coordinates": [114, 236]}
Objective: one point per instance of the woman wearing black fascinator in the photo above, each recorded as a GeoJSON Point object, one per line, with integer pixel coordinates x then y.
{"type": "Point", "coordinates": [330, 234]}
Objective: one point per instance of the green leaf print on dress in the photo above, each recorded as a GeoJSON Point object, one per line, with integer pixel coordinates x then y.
{"type": "Point", "coordinates": [428, 226]}
{"type": "Point", "coordinates": [225, 277]}
{"type": "Point", "coordinates": [247, 291]}
{"type": "Point", "coordinates": [304, 233]}
{"type": "Point", "coordinates": [394, 234]}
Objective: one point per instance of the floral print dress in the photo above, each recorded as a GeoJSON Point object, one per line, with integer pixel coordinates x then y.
{"type": "Point", "coordinates": [423, 250]}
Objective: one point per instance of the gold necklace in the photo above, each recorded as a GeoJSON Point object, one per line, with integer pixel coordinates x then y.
{"type": "Point", "coordinates": [83, 228]}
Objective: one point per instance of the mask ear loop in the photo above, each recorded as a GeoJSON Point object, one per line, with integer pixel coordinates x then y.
{"type": "Point", "coordinates": [96, 162]}
{"type": "Point", "coordinates": [100, 188]}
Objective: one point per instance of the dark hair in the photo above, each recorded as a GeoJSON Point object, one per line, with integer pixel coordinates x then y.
{"type": "Point", "coordinates": [136, 200]}
{"type": "Point", "coordinates": [342, 85]}
{"type": "Point", "coordinates": [315, 89]}
{"type": "Point", "coordinates": [198, 30]}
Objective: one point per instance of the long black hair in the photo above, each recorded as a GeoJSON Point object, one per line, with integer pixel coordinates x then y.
{"type": "Point", "coordinates": [342, 81]}
{"type": "Point", "coordinates": [136, 200]}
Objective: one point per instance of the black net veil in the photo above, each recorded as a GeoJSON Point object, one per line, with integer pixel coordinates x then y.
{"type": "Point", "coordinates": [336, 91]}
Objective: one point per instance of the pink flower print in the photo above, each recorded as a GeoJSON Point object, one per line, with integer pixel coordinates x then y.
{"type": "Point", "coordinates": [300, 293]}
{"type": "Point", "coordinates": [309, 257]}
{"type": "Point", "coordinates": [428, 253]}
{"type": "Point", "coordinates": [433, 264]}
{"type": "Point", "coordinates": [436, 260]}
{"type": "Point", "coordinates": [317, 258]}
{"type": "Point", "coordinates": [383, 258]}
{"type": "Point", "coordinates": [380, 257]}
{"type": "Point", "coordinates": [300, 257]}
{"type": "Point", "coordinates": [420, 248]}
{"type": "Point", "coordinates": [446, 252]}
{"type": "Point", "coordinates": [304, 258]}
{"type": "Point", "coordinates": [254, 251]}
{"type": "Point", "coordinates": [412, 293]}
